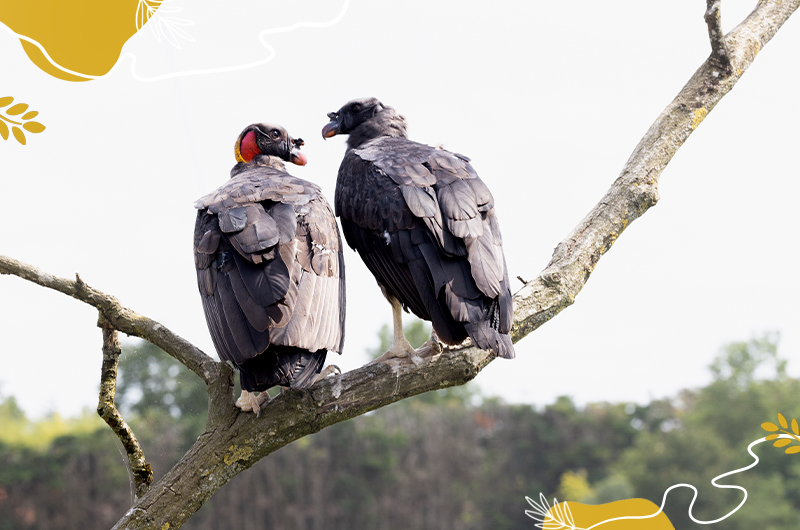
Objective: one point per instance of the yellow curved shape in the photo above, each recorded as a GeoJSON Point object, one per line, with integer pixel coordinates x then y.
{"type": "Point", "coordinates": [85, 37]}
{"type": "Point", "coordinates": [587, 515]}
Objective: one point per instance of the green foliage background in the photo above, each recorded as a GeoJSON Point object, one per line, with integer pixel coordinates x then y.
{"type": "Point", "coordinates": [447, 459]}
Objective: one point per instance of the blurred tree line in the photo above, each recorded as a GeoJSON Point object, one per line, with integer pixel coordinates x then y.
{"type": "Point", "coordinates": [447, 459]}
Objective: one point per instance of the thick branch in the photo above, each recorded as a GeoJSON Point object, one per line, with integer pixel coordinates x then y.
{"type": "Point", "coordinates": [234, 441]}
{"type": "Point", "coordinates": [120, 318]}
{"type": "Point", "coordinates": [239, 440]}
{"type": "Point", "coordinates": [142, 472]}
{"type": "Point", "coordinates": [719, 49]}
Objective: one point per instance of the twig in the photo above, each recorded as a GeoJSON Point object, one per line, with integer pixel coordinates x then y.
{"type": "Point", "coordinates": [720, 53]}
{"type": "Point", "coordinates": [142, 472]}
{"type": "Point", "coordinates": [121, 318]}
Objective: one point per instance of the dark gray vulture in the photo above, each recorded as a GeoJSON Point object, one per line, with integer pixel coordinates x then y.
{"type": "Point", "coordinates": [424, 224]}
{"type": "Point", "coordinates": [270, 268]}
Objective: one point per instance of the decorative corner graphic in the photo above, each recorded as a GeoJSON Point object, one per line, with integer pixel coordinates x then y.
{"type": "Point", "coordinates": [794, 436]}
{"type": "Point", "coordinates": [86, 43]}
{"type": "Point", "coordinates": [638, 513]}
{"type": "Point", "coordinates": [12, 114]}
{"type": "Point", "coordinates": [75, 43]}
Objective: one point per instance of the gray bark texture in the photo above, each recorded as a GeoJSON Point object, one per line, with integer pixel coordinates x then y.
{"type": "Point", "coordinates": [233, 441]}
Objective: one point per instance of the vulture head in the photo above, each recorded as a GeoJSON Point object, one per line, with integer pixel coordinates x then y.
{"type": "Point", "coordinates": [364, 119]}
{"type": "Point", "coordinates": [270, 140]}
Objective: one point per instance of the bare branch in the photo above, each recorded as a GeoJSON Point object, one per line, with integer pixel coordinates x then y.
{"type": "Point", "coordinates": [120, 318]}
{"type": "Point", "coordinates": [719, 48]}
{"type": "Point", "coordinates": [142, 472]}
{"type": "Point", "coordinates": [238, 440]}
{"type": "Point", "coordinates": [234, 441]}
{"type": "Point", "coordinates": [636, 189]}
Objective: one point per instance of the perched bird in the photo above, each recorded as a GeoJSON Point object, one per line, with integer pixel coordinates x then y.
{"type": "Point", "coordinates": [424, 224]}
{"type": "Point", "coordinates": [270, 268]}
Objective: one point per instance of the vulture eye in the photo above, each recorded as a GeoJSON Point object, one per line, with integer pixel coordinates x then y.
{"type": "Point", "coordinates": [355, 109]}
{"type": "Point", "coordinates": [276, 134]}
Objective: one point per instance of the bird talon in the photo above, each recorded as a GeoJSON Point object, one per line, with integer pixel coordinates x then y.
{"type": "Point", "coordinates": [331, 369]}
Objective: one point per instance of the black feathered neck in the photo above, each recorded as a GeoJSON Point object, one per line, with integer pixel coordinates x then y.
{"type": "Point", "coordinates": [260, 160]}
{"type": "Point", "coordinates": [386, 122]}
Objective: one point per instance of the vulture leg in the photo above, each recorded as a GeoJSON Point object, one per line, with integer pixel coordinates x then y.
{"type": "Point", "coordinates": [249, 402]}
{"type": "Point", "coordinates": [328, 370]}
{"type": "Point", "coordinates": [400, 346]}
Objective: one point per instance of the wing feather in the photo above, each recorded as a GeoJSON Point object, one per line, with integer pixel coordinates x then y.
{"type": "Point", "coordinates": [424, 224]}
{"type": "Point", "coordinates": [261, 240]}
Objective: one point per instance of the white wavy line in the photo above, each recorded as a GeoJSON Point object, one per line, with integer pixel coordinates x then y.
{"type": "Point", "coordinates": [223, 69]}
{"type": "Point", "coordinates": [694, 498]}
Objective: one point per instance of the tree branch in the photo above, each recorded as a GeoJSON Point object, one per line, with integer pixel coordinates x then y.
{"type": "Point", "coordinates": [120, 318]}
{"type": "Point", "coordinates": [234, 441]}
{"type": "Point", "coordinates": [142, 472]}
{"type": "Point", "coordinates": [636, 189]}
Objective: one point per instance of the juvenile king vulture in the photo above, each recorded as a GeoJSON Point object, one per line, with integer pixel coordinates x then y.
{"type": "Point", "coordinates": [424, 224]}
{"type": "Point", "coordinates": [270, 268]}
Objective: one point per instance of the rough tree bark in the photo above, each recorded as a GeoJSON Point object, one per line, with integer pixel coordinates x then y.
{"type": "Point", "coordinates": [234, 441]}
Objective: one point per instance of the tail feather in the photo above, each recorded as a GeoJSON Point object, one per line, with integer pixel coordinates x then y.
{"type": "Point", "coordinates": [486, 337]}
{"type": "Point", "coordinates": [281, 366]}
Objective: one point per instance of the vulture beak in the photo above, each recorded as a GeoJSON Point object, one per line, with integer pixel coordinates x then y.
{"type": "Point", "coordinates": [295, 156]}
{"type": "Point", "coordinates": [332, 128]}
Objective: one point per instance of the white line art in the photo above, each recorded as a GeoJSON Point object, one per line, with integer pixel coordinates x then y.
{"type": "Point", "coordinates": [185, 73]}
{"type": "Point", "coordinates": [168, 27]}
{"type": "Point", "coordinates": [562, 519]}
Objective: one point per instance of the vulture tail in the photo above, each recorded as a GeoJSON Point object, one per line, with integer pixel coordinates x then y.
{"type": "Point", "coordinates": [281, 366]}
{"type": "Point", "coordinates": [487, 338]}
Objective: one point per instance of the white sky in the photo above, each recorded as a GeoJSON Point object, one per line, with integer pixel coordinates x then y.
{"type": "Point", "coordinates": [547, 98]}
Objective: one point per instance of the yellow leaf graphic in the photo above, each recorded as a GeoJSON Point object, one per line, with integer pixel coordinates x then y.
{"type": "Point", "coordinates": [6, 101]}
{"type": "Point", "coordinates": [19, 108]}
{"type": "Point", "coordinates": [33, 126]}
{"type": "Point", "coordinates": [794, 426]}
{"type": "Point", "coordinates": [783, 442]}
{"type": "Point", "coordinates": [18, 134]}
{"type": "Point", "coordinates": [30, 115]}
{"type": "Point", "coordinates": [792, 450]}
{"type": "Point", "coordinates": [4, 130]}
{"type": "Point", "coordinates": [772, 437]}
{"type": "Point", "coordinates": [782, 421]}
{"type": "Point", "coordinates": [768, 426]}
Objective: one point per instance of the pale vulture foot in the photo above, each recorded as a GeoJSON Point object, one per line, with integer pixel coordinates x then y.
{"type": "Point", "coordinates": [328, 370]}
{"type": "Point", "coordinates": [432, 347]}
{"type": "Point", "coordinates": [399, 350]}
{"type": "Point", "coordinates": [249, 402]}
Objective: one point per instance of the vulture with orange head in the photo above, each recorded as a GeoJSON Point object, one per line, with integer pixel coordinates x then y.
{"type": "Point", "coordinates": [270, 268]}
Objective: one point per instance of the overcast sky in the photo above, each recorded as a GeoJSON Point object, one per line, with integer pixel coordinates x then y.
{"type": "Point", "coordinates": [547, 98]}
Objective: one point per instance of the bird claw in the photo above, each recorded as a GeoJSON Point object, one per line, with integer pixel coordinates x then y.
{"type": "Point", "coordinates": [328, 370]}
{"type": "Point", "coordinates": [249, 402]}
{"type": "Point", "coordinates": [401, 351]}
{"type": "Point", "coordinates": [431, 347]}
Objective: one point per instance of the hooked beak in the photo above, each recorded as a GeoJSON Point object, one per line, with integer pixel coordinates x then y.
{"type": "Point", "coordinates": [296, 157]}
{"type": "Point", "coordinates": [332, 128]}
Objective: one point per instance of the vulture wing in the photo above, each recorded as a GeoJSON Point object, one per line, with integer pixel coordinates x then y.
{"type": "Point", "coordinates": [424, 224]}
{"type": "Point", "coordinates": [270, 270]}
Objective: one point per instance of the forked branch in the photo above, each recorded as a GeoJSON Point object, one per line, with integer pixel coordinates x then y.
{"type": "Point", "coordinates": [119, 317]}
{"type": "Point", "coordinates": [234, 441]}
{"type": "Point", "coordinates": [142, 472]}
